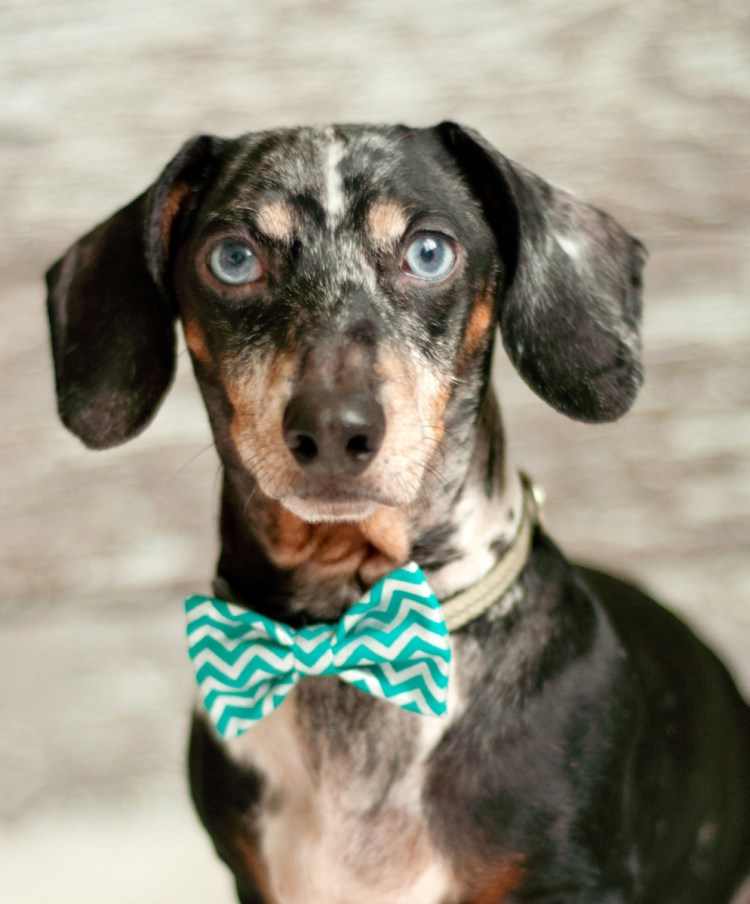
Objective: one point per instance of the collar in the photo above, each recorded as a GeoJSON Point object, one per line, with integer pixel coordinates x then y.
{"type": "Point", "coordinates": [469, 604]}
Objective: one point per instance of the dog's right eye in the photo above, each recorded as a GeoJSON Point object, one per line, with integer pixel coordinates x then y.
{"type": "Point", "coordinates": [234, 263]}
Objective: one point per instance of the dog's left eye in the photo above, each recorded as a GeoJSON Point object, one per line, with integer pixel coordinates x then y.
{"type": "Point", "coordinates": [430, 257]}
{"type": "Point", "coordinates": [234, 263]}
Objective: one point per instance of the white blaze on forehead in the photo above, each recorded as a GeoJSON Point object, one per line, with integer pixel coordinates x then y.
{"type": "Point", "coordinates": [334, 186]}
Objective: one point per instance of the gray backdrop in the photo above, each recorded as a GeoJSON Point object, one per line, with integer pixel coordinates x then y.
{"type": "Point", "coordinates": [643, 109]}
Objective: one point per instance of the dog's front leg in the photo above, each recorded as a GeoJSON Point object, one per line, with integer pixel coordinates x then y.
{"type": "Point", "coordinates": [226, 796]}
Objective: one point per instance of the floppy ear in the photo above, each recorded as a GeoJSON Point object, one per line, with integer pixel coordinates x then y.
{"type": "Point", "coordinates": [570, 308]}
{"type": "Point", "coordinates": [111, 316]}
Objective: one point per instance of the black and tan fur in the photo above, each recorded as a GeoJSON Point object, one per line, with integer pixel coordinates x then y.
{"type": "Point", "coordinates": [594, 751]}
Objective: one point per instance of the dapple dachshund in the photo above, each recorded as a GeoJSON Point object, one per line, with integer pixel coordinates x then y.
{"type": "Point", "coordinates": [340, 290]}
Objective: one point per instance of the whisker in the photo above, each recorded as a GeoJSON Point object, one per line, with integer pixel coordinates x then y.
{"type": "Point", "coordinates": [216, 491]}
{"type": "Point", "coordinates": [179, 471]}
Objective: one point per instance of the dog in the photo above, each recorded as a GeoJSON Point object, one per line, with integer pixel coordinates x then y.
{"type": "Point", "coordinates": [340, 290]}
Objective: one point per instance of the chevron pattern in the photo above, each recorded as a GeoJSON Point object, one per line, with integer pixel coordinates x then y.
{"type": "Point", "coordinates": [392, 643]}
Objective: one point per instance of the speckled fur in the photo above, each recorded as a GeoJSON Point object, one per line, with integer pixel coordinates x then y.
{"type": "Point", "coordinates": [565, 770]}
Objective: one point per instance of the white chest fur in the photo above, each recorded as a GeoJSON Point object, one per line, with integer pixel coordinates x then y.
{"type": "Point", "coordinates": [342, 820]}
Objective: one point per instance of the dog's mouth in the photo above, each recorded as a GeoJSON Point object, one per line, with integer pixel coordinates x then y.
{"type": "Point", "coordinates": [332, 499]}
{"type": "Point", "coordinates": [343, 508]}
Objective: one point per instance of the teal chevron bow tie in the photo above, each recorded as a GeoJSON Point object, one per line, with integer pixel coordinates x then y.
{"type": "Point", "coordinates": [392, 643]}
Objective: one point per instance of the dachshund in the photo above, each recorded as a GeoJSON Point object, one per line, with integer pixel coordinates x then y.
{"type": "Point", "coordinates": [340, 290]}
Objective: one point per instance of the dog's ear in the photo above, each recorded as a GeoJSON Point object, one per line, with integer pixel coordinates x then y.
{"type": "Point", "coordinates": [110, 311]}
{"type": "Point", "coordinates": [569, 310]}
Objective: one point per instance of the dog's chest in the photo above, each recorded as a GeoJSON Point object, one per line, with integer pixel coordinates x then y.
{"type": "Point", "coordinates": [342, 819]}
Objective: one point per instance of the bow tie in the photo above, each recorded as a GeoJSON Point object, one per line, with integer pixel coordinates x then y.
{"type": "Point", "coordinates": [392, 643]}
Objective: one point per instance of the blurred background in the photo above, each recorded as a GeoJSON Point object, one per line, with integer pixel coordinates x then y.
{"type": "Point", "coordinates": [642, 109]}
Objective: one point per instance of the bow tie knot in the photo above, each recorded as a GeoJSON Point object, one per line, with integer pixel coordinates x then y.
{"type": "Point", "coordinates": [312, 651]}
{"type": "Point", "coordinates": [392, 643]}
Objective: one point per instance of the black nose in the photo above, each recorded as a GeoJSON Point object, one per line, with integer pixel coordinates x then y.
{"type": "Point", "coordinates": [333, 432]}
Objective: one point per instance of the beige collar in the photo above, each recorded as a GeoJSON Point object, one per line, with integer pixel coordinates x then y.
{"type": "Point", "coordinates": [464, 607]}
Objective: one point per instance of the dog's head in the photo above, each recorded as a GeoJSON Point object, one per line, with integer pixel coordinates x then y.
{"type": "Point", "coordinates": [339, 290]}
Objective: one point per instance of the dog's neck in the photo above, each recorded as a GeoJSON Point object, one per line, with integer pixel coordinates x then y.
{"type": "Point", "coordinates": [466, 515]}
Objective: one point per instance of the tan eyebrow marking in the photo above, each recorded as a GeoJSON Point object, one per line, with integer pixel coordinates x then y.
{"type": "Point", "coordinates": [386, 222]}
{"type": "Point", "coordinates": [276, 220]}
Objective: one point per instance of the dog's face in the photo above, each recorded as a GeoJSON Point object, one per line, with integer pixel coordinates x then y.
{"type": "Point", "coordinates": [338, 290]}
{"type": "Point", "coordinates": [336, 287]}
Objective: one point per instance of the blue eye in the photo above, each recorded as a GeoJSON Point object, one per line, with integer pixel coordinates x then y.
{"type": "Point", "coordinates": [430, 257]}
{"type": "Point", "coordinates": [234, 263]}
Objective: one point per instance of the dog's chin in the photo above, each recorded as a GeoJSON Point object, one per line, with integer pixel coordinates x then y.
{"type": "Point", "coordinates": [315, 511]}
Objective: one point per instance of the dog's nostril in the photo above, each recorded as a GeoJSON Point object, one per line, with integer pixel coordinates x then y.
{"type": "Point", "coordinates": [303, 448]}
{"type": "Point", "coordinates": [358, 448]}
